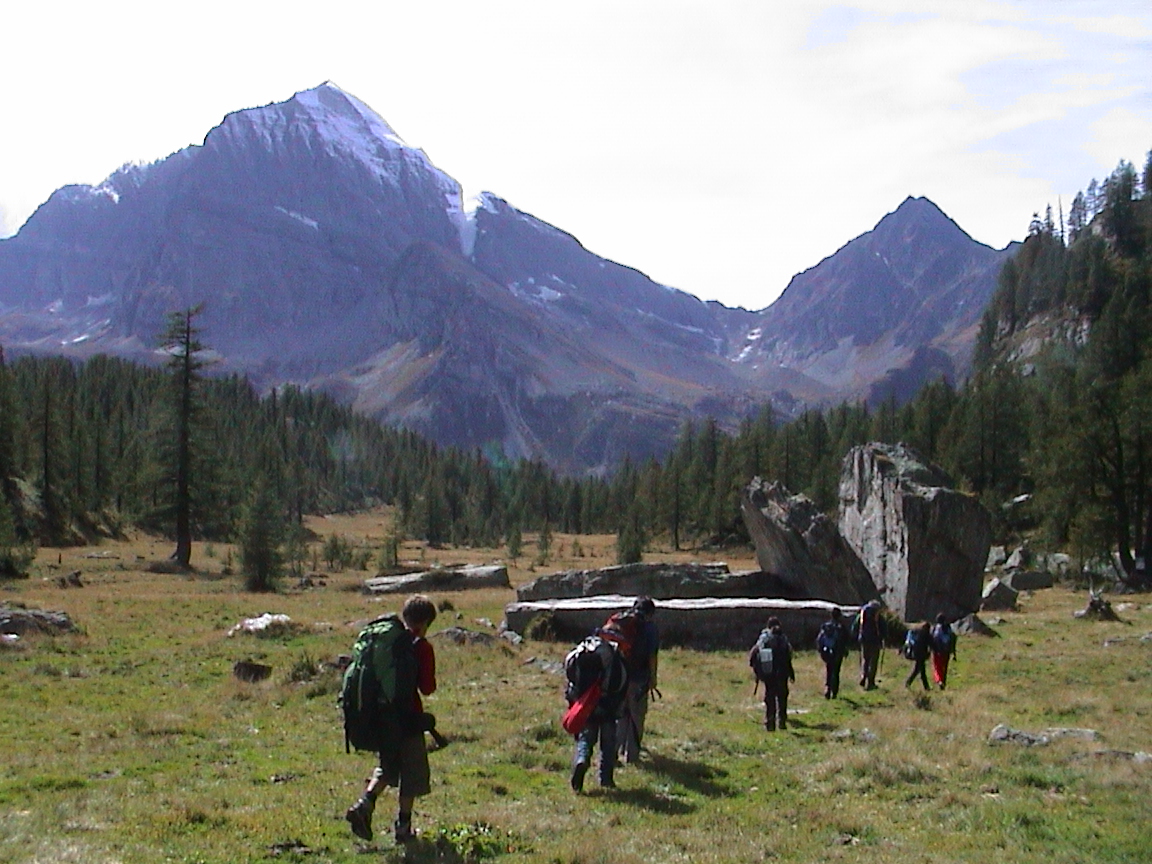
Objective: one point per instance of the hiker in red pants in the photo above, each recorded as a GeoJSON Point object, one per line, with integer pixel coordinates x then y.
{"type": "Point", "coordinates": [943, 643]}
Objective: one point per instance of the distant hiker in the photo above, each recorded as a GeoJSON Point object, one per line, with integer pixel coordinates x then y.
{"type": "Point", "coordinates": [832, 643]}
{"type": "Point", "coordinates": [943, 649]}
{"type": "Point", "coordinates": [642, 666]}
{"type": "Point", "coordinates": [869, 631]}
{"type": "Point", "coordinates": [596, 690]}
{"type": "Point", "coordinates": [403, 755]}
{"type": "Point", "coordinates": [771, 662]}
{"type": "Point", "coordinates": [917, 646]}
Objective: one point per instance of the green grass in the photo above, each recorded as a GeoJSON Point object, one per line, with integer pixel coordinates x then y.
{"type": "Point", "coordinates": [132, 742]}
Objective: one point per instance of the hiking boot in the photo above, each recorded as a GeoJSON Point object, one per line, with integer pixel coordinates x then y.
{"type": "Point", "coordinates": [578, 772]}
{"type": "Point", "coordinates": [359, 818]}
{"type": "Point", "coordinates": [609, 783]}
{"type": "Point", "coordinates": [402, 829]}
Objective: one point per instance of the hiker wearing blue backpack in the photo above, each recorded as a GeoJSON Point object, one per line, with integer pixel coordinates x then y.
{"type": "Point", "coordinates": [943, 649]}
{"type": "Point", "coordinates": [832, 643]}
{"type": "Point", "coordinates": [917, 646]}
{"type": "Point", "coordinates": [403, 758]}
{"type": "Point", "coordinates": [771, 662]}
{"type": "Point", "coordinates": [870, 631]}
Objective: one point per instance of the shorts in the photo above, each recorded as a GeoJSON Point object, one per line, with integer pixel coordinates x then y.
{"type": "Point", "coordinates": [406, 768]}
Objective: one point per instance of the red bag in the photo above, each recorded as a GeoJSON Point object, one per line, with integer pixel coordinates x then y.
{"type": "Point", "coordinates": [576, 717]}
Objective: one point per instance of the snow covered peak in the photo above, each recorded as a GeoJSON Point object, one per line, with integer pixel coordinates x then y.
{"type": "Point", "coordinates": [345, 117]}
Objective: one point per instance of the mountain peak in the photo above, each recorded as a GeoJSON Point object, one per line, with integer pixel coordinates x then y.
{"type": "Point", "coordinates": [346, 113]}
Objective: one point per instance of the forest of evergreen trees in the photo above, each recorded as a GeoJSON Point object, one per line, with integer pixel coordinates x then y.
{"type": "Point", "coordinates": [89, 448]}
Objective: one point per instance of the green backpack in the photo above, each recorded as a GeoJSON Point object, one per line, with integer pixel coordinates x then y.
{"type": "Point", "coordinates": [379, 688]}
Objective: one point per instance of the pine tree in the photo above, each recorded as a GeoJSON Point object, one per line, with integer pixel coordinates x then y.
{"type": "Point", "coordinates": [182, 342]}
{"type": "Point", "coordinates": [261, 535]}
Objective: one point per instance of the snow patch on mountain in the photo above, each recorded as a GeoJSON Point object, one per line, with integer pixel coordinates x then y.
{"type": "Point", "coordinates": [299, 217]}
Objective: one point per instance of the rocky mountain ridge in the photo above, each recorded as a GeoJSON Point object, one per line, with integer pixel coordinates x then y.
{"type": "Point", "coordinates": [330, 254]}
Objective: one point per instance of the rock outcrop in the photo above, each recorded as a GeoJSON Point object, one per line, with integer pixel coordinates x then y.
{"type": "Point", "coordinates": [443, 579]}
{"type": "Point", "coordinates": [702, 622]}
{"type": "Point", "coordinates": [998, 596]}
{"type": "Point", "coordinates": [658, 580]}
{"type": "Point", "coordinates": [924, 543]}
{"type": "Point", "coordinates": [802, 547]}
{"type": "Point", "coordinates": [22, 622]}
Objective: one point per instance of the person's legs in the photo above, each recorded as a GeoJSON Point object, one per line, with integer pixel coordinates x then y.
{"type": "Point", "coordinates": [608, 754]}
{"type": "Point", "coordinates": [869, 662]}
{"type": "Point", "coordinates": [359, 815]}
{"type": "Point", "coordinates": [922, 668]}
{"type": "Point", "coordinates": [639, 709]}
{"type": "Point", "coordinates": [415, 780]}
{"type": "Point", "coordinates": [940, 669]}
{"type": "Point", "coordinates": [782, 706]}
{"type": "Point", "coordinates": [585, 743]}
{"type": "Point", "coordinates": [834, 675]}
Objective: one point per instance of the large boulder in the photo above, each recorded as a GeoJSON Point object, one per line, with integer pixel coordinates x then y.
{"type": "Point", "coordinates": [1028, 580]}
{"type": "Point", "coordinates": [924, 543]}
{"type": "Point", "coordinates": [657, 580]}
{"type": "Point", "coordinates": [16, 620]}
{"type": "Point", "coordinates": [444, 579]}
{"type": "Point", "coordinates": [699, 622]}
{"type": "Point", "coordinates": [802, 548]}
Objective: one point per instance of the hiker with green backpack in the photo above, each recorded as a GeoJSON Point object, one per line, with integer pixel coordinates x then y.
{"type": "Point", "coordinates": [392, 664]}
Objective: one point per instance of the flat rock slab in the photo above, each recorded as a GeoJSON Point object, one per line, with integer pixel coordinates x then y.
{"type": "Point", "coordinates": [441, 579]}
{"type": "Point", "coordinates": [657, 580]}
{"type": "Point", "coordinates": [699, 622]}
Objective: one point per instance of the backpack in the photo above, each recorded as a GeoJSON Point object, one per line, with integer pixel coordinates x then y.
{"type": "Point", "coordinates": [765, 655]}
{"type": "Point", "coordinates": [379, 687]}
{"type": "Point", "coordinates": [623, 630]}
{"type": "Point", "coordinates": [866, 626]}
{"type": "Point", "coordinates": [828, 641]}
{"type": "Point", "coordinates": [595, 660]}
{"type": "Point", "coordinates": [909, 649]}
{"type": "Point", "coordinates": [943, 639]}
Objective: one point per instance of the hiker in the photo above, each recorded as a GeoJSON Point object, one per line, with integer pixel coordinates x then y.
{"type": "Point", "coordinates": [917, 646]}
{"type": "Point", "coordinates": [596, 690]}
{"type": "Point", "coordinates": [771, 662]}
{"type": "Point", "coordinates": [870, 632]}
{"type": "Point", "coordinates": [943, 643]}
{"type": "Point", "coordinates": [642, 665]}
{"type": "Point", "coordinates": [832, 643]}
{"type": "Point", "coordinates": [404, 765]}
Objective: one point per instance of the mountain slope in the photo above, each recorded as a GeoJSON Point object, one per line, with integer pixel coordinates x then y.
{"type": "Point", "coordinates": [904, 298]}
{"type": "Point", "coordinates": [327, 252]}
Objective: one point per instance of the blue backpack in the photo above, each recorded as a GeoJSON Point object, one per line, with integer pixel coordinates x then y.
{"type": "Point", "coordinates": [943, 639]}
{"type": "Point", "coordinates": [828, 642]}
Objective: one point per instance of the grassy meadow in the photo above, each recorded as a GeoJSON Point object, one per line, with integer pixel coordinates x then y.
{"type": "Point", "coordinates": [133, 742]}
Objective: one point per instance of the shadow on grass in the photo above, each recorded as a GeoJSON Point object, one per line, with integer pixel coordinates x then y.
{"type": "Point", "coordinates": [697, 776]}
{"type": "Point", "coordinates": [651, 800]}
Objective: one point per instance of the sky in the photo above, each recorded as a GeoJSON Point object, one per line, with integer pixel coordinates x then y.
{"type": "Point", "coordinates": [720, 146]}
